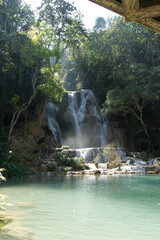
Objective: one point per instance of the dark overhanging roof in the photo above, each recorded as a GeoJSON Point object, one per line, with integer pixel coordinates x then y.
{"type": "Point", "coordinates": [145, 12]}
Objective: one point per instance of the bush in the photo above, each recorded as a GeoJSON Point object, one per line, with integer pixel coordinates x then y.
{"type": "Point", "coordinates": [112, 154]}
{"type": "Point", "coordinates": [10, 162]}
{"type": "Point", "coordinates": [51, 167]}
{"type": "Point", "coordinates": [76, 163]}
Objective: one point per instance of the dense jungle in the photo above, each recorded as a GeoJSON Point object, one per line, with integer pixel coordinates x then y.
{"type": "Point", "coordinates": [44, 55]}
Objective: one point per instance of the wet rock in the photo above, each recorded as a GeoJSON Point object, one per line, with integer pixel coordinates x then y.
{"type": "Point", "coordinates": [124, 171]}
{"type": "Point", "coordinates": [151, 172]}
{"type": "Point", "coordinates": [130, 160]}
{"type": "Point", "coordinates": [97, 172]}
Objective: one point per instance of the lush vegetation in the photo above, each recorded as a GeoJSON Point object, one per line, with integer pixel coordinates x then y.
{"type": "Point", "coordinates": [30, 63]}
{"type": "Point", "coordinates": [120, 62]}
{"type": "Point", "coordinates": [71, 162]}
{"type": "Point", "coordinates": [10, 163]}
{"type": "Point", "coordinates": [41, 57]}
{"type": "Point", "coordinates": [30, 54]}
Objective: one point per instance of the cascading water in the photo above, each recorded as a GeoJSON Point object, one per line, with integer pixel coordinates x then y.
{"type": "Point", "coordinates": [72, 111]}
{"type": "Point", "coordinates": [86, 119]}
{"type": "Point", "coordinates": [82, 125]}
{"type": "Point", "coordinates": [52, 111]}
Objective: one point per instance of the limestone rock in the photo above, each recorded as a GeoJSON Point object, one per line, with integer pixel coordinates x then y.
{"type": "Point", "coordinates": [35, 131]}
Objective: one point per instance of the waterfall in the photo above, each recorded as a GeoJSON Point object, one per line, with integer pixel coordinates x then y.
{"type": "Point", "coordinates": [82, 124]}
{"type": "Point", "coordinates": [52, 111]}
{"type": "Point", "coordinates": [72, 109]}
{"type": "Point", "coordinates": [90, 128]}
{"type": "Point", "coordinates": [92, 154]}
{"type": "Point", "coordinates": [87, 120]}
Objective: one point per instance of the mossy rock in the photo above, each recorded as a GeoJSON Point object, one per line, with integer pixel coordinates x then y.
{"type": "Point", "coordinates": [4, 221]}
{"type": "Point", "coordinates": [97, 172]}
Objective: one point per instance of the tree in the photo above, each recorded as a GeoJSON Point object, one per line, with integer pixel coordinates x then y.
{"type": "Point", "coordinates": [14, 17]}
{"type": "Point", "coordinates": [64, 21]}
{"type": "Point", "coordinates": [37, 55]}
{"type": "Point", "coordinates": [34, 54]}
{"type": "Point", "coordinates": [133, 93]}
{"type": "Point", "coordinates": [122, 63]}
{"type": "Point", "coordinates": [100, 24]}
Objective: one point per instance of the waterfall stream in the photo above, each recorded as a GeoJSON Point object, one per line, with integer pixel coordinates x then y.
{"type": "Point", "coordinates": [84, 127]}
{"type": "Point", "coordinates": [87, 120]}
{"type": "Point", "coordinates": [72, 109]}
{"type": "Point", "coordinates": [52, 111]}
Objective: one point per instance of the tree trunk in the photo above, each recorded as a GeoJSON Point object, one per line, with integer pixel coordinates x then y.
{"type": "Point", "coordinates": [17, 113]}
{"type": "Point", "coordinates": [25, 123]}
{"type": "Point", "coordinates": [11, 129]}
{"type": "Point", "coordinates": [151, 146]}
{"type": "Point", "coordinates": [41, 111]}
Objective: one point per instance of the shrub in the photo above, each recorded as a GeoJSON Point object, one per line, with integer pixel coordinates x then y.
{"type": "Point", "coordinates": [113, 156]}
{"type": "Point", "coordinates": [51, 167]}
{"type": "Point", "coordinates": [10, 162]}
{"type": "Point", "coordinates": [74, 162]}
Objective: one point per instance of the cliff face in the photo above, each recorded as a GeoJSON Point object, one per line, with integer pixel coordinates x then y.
{"type": "Point", "coordinates": [38, 138]}
{"type": "Point", "coordinates": [120, 132]}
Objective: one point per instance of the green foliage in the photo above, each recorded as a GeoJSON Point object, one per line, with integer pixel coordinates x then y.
{"type": "Point", "coordinates": [76, 163]}
{"type": "Point", "coordinates": [64, 20]}
{"type": "Point", "coordinates": [14, 169]}
{"type": "Point", "coordinates": [121, 64]}
{"type": "Point", "coordinates": [14, 18]}
{"type": "Point", "coordinates": [31, 53]}
{"type": "Point", "coordinates": [64, 147]}
{"type": "Point", "coordinates": [51, 85]}
{"type": "Point", "coordinates": [67, 169]}
{"type": "Point", "coordinates": [14, 101]}
{"type": "Point", "coordinates": [100, 24]}
{"type": "Point", "coordinates": [10, 162]}
{"type": "Point", "coordinates": [51, 167]}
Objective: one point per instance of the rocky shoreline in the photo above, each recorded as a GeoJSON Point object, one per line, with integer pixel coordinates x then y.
{"type": "Point", "coordinates": [130, 165]}
{"type": "Point", "coordinates": [110, 172]}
